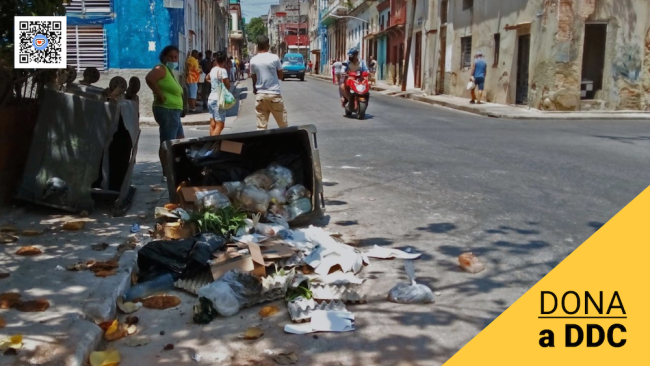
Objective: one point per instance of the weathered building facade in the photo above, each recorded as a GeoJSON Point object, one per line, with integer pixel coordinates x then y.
{"type": "Point", "coordinates": [557, 55]}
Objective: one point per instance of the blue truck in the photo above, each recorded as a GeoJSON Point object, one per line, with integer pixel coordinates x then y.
{"type": "Point", "coordinates": [293, 66]}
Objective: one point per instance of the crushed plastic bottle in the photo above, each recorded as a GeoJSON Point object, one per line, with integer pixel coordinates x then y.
{"type": "Point", "coordinates": [470, 263]}
{"type": "Point", "coordinates": [158, 284]}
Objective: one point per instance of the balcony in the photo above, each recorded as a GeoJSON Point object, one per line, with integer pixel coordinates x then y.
{"type": "Point", "coordinates": [334, 9]}
{"type": "Point", "coordinates": [236, 35]}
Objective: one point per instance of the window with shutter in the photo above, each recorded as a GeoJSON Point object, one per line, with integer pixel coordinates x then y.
{"type": "Point", "coordinates": [87, 6]}
{"type": "Point", "coordinates": [86, 47]}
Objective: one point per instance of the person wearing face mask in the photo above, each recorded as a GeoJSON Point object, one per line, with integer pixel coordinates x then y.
{"type": "Point", "coordinates": [168, 97]}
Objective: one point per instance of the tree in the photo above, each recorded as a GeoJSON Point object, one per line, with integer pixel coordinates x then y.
{"type": "Point", "coordinates": [255, 28]}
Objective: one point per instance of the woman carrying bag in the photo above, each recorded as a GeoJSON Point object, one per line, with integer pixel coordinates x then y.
{"type": "Point", "coordinates": [220, 98]}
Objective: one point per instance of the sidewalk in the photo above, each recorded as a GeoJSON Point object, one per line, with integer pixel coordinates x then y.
{"type": "Point", "coordinates": [498, 110]}
{"type": "Point", "coordinates": [202, 118]}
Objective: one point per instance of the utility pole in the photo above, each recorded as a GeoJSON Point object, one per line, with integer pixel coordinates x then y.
{"type": "Point", "coordinates": [408, 46]}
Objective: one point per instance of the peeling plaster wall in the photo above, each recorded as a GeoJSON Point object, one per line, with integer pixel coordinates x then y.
{"type": "Point", "coordinates": [137, 23]}
{"type": "Point", "coordinates": [557, 39]}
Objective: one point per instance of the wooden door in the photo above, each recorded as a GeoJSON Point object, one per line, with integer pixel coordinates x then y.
{"type": "Point", "coordinates": [418, 60]}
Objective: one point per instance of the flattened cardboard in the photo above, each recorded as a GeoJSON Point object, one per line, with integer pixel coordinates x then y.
{"type": "Point", "coordinates": [187, 195]}
{"type": "Point", "coordinates": [231, 146]}
{"type": "Point", "coordinates": [274, 249]}
{"type": "Point", "coordinates": [232, 259]}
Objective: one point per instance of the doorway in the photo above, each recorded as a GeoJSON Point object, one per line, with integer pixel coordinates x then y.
{"type": "Point", "coordinates": [440, 85]}
{"type": "Point", "coordinates": [523, 61]}
{"type": "Point", "coordinates": [593, 59]}
{"type": "Point", "coordinates": [418, 60]}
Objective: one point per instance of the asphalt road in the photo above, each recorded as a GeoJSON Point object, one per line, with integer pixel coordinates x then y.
{"type": "Point", "coordinates": [521, 195]}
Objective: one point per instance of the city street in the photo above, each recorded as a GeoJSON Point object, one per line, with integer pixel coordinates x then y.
{"type": "Point", "coordinates": [520, 195]}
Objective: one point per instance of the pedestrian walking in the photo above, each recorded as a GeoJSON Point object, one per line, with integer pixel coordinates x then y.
{"type": "Point", "coordinates": [309, 67]}
{"type": "Point", "coordinates": [218, 75]}
{"type": "Point", "coordinates": [266, 72]}
{"type": "Point", "coordinates": [248, 68]}
{"type": "Point", "coordinates": [338, 69]}
{"type": "Point", "coordinates": [168, 98]}
{"type": "Point", "coordinates": [242, 69]}
{"type": "Point", "coordinates": [206, 66]}
{"type": "Point", "coordinates": [478, 74]}
{"type": "Point", "coordinates": [333, 71]}
{"type": "Point", "coordinates": [372, 66]}
{"type": "Point", "coordinates": [193, 75]}
{"type": "Point", "coordinates": [229, 67]}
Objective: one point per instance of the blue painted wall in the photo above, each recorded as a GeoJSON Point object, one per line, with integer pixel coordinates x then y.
{"type": "Point", "coordinates": [136, 24]}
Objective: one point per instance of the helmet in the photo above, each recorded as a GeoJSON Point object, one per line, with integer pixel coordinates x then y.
{"type": "Point", "coordinates": [353, 52]}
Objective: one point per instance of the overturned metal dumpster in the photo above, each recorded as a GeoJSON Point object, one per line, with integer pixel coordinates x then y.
{"type": "Point", "coordinates": [214, 160]}
{"type": "Point", "coordinates": [84, 148]}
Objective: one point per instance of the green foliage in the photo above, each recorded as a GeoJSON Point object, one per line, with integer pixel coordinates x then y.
{"type": "Point", "coordinates": [255, 28]}
{"type": "Point", "coordinates": [302, 290]}
{"type": "Point", "coordinates": [11, 8]}
{"type": "Point", "coordinates": [224, 221]}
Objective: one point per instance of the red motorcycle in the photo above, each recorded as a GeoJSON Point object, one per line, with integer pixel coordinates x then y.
{"type": "Point", "coordinates": [359, 94]}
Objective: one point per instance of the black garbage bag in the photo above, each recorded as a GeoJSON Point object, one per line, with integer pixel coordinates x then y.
{"type": "Point", "coordinates": [180, 258]}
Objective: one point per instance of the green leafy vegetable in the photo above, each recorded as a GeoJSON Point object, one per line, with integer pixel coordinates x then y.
{"type": "Point", "coordinates": [224, 221]}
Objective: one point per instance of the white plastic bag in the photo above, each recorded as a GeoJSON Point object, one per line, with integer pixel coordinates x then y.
{"type": "Point", "coordinates": [278, 195]}
{"type": "Point", "coordinates": [260, 179]}
{"type": "Point", "coordinates": [222, 296]}
{"type": "Point", "coordinates": [410, 293]}
{"type": "Point", "coordinates": [471, 85]}
{"type": "Point", "coordinates": [212, 199]}
{"type": "Point", "coordinates": [254, 199]}
{"type": "Point", "coordinates": [296, 192]}
{"type": "Point", "coordinates": [282, 177]}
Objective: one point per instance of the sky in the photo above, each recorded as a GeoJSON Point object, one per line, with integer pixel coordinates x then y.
{"type": "Point", "coordinates": [255, 8]}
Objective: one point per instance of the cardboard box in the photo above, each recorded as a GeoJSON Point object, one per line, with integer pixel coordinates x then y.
{"type": "Point", "coordinates": [231, 147]}
{"type": "Point", "coordinates": [232, 259]}
{"type": "Point", "coordinates": [275, 249]}
{"type": "Point", "coordinates": [187, 195]}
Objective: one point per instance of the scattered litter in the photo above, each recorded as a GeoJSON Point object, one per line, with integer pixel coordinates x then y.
{"type": "Point", "coordinates": [105, 273]}
{"type": "Point", "coordinates": [84, 214]}
{"type": "Point", "coordinates": [253, 333]}
{"type": "Point", "coordinates": [10, 352]}
{"type": "Point", "coordinates": [116, 331]}
{"type": "Point", "coordinates": [9, 300]}
{"type": "Point", "coordinates": [301, 309]}
{"type": "Point", "coordinates": [100, 247]}
{"type": "Point", "coordinates": [104, 358]}
{"type": "Point", "coordinates": [232, 290]}
{"type": "Point", "coordinates": [204, 311]}
{"type": "Point", "coordinates": [33, 306]}
{"type": "Point", "coordinates": [168, 347]}
{"type": "Point", "coordinates": [3, 322]}
{"type": "Point", "coordinates": [31, 232]}
{"type": "Point", "coordinates": [338, 278]}
{"type": "Point", "coordinates": [410, 293]}
{"type": "Point", "coordinates": [131, 329]}
{"type": "Point", "coordinates": [161, 302]}
{"type": "Point", "coordinates": [197, 357]}
{"type": "Point", "coordinates": [324, 321]}
{"type": "Point", "coordinates": [7, 238]}
{"type": "Point", "coordinates": [437, 293]}
{"type": "Point", "coordinates": [137, 341]}
{"type": "Point", "coordinates": [389, 253]}
{"type": "Point", "coordinates": [157, 189]}
{"type": "Point", "coordinates": [59, 268]}
{"type": "Point", "coordinates": [162, 333]}
{"type": "Point", "coordinates": [4, 275]}
{"type": "Point", "coordinates": [269, 352]}
{"type": "Point", "coordinates": [286, 358]}
{"type": "Point", "coordinates": [135, 228]}
{"type": "Point", "coordinates": [28, 251]}
{"type": "Point", "coordinates": [155, 285]}
{"type": "Point", "coordinates": [131, 320]}
{"type": "Point", "coordinates": [372, 199]}
{"type": "Point", "coordinates": [8, 229]}
{"type": "Point", "coordinates": [80, 266]}
{"type": "Point", "coordinates": [347, 293]}
{"type": "Point", "coordinates": [267, 311]}
{"type": "Point", "coordinates": [103, 269]}
{"type": "Point", "coordinates": [128, 307]}
{"type": "Point", "coordinates": [15, 342]}
{"type": "Point", "coordinates": [329, 253]}
{"type": "Point", "coordinates": [74, 225]}
{"type": "Point", "coordinates": [470, 263]}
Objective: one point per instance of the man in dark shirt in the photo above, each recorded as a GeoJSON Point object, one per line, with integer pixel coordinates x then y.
{"type": "Point", "coordinates": [206, 66]}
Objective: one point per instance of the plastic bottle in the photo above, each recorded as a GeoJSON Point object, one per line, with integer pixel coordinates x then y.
{"type": "Point", "coordinates": [158, 284]}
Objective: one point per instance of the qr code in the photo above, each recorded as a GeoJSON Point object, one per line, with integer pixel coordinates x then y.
{"type": "Point", "coordinates": [39, 42]}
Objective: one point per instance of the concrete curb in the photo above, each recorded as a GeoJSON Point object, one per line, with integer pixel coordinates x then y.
{"type": "Point", "coordinates": [151, 122]}
{"type": "Point", "coordinates": [578, 116]}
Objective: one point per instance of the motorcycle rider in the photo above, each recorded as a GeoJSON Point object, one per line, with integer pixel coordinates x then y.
{"type": "Point", "coordinates": [353, 64]}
